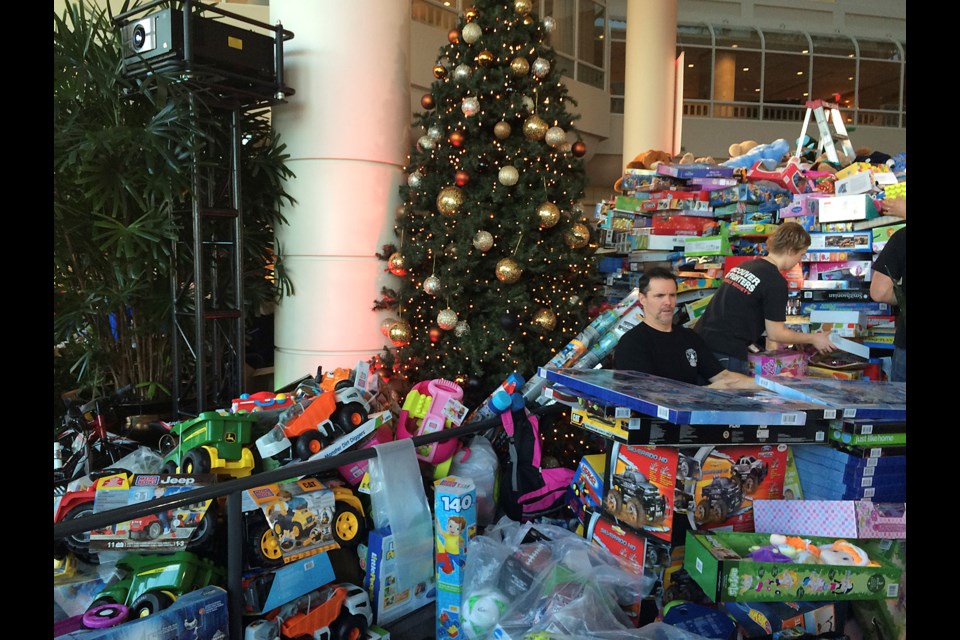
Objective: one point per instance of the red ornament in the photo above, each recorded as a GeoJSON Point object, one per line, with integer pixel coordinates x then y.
{"type": "Point", "coordinates": [578, 148]}
{"type": "Point", "coordinates": [461, 178]}
{"type": "Point", "coordinates": [457, 138]}
{"type": "Point", "coordinates": [426, 101]}
{"type": "Point", "coordinates": [453, 36]}
{"type": "Point", "coordinates": [435, 334]}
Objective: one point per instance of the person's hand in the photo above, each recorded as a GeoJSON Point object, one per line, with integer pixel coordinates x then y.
{"type": "Point", "coordinates": [894, 207]}
{"type": "Point", "coordinates": [821, 341]}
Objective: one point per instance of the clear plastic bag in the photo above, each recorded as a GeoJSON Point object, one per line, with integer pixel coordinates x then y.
{"type": "Point", "coordinates": [521, 578]}
{"type": "Point", "coordinates": [479, 462]}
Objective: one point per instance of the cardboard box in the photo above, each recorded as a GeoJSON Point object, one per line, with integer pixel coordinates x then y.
{"type": "Point", "coordinates": [707, 246]}
{"type": "Point", "coordinates": [204, 611]}
{"type": "Point", "coordinates": [882, 234]}
{"type": "Point", "coordinates": [803, 204]}
{"type": "Point", "coordinates": [760, 619]}
{"type": "Point", "coordinates": [658, 243]}
{"type": "Point", "coordinates": [268, 590]}
{"type": "Point", "coordinates": [666, 224]}
{"type": "Point", "coordinates": [831, 518]}
{"type": "Point", "coordinates": [390, 597]}
{"type": "Point", "coordinates": [854, 241]}
{"type": "Point", "coordinates": [626, 545]}
{"type": "Point", "coordinates": [840, 208]}
{"type": "Point", "coordinates": [720, 564]}
{"type": "Point", "coordinates": [695, 170]}
{"type": "Point", "coordinates": [855, 184]}
{"type": "Point", "coordinates": [455, 510]}
{"type": "Point", "coordinates": [779, 362]}
{"type": "Point", "coordinates": [586, 488]}
{"type": "Point", "coordinates": [647, 488]}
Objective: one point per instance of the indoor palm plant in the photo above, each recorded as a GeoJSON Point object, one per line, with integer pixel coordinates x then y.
{"type": "Point", "coordinates": [122, 171]}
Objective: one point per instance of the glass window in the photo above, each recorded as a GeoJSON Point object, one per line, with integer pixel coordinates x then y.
{"type": "Point", "coordinates": [618, 63]}
{"type": "Point", "coordinates": [786, 79]}
{"type": "Point", "coordinates": [833, 46]}
{"type": "Point", "coordinates": [592, 23]}
{"type": "Point", "coordinates": [834, 80]}
{"type": "Point", "coordinates": [738, 38]}
{"type": "Point", "coordinates": [878, 49]}
{"type": "Point", "coordinates": [788, 42]}
{"type": "Point", "coordinates": [563, 33]}
{"type": "Point", "coordinates": [879, 85]}
{"type": "Point", "coordinates": [696, 34]}
{"type": "Point", "coordinates": [697, 75]}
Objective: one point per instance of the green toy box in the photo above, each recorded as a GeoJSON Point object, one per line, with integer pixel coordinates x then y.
{"type": "Point", "coordinates": [720, 564]}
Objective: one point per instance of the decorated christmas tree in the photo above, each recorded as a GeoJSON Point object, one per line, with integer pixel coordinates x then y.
{"type": "Point", "coordinates": [494, 257]}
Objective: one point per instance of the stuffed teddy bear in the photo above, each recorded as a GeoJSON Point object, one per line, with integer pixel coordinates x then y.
{"type": "Point", "coordinates": [649, 159]}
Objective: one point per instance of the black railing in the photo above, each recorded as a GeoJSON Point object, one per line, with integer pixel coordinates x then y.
{"type": "Point", "coordinates": [232, 490]}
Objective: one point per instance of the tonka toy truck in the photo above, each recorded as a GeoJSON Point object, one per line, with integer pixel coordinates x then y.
{"type": "Point", "coordinates": [718, 499]}
{"type": "Point", "coordinates": [153, 582]}
{"type": "Point", "coordinates": [315, 422]}
{"type": "Point", "coordinates": [334, 612]}
{"type": "Point", "coordinates": [215, 442]}
{"type": "Point", "coordinates": [634, 500]}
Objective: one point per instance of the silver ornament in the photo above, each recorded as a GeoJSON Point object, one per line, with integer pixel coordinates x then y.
{"type": "Point", "coordinates": [462, 72]}
{"type": "Point", "coordinates": [447, 319]}
{"type": "Point", "coordinates": [508, 175]}
{"type": "Point", "coordinates": [549, 24]}
{"type": "Point", "coordinates": [425, 142]}
{"type": "Point", "coordinates": [435, 132]}
{"type": "Point", "coordinates": [555, 136]}
{"type": "Point", "coordinates": [471, 32]}
{"type": "Point", "coordinates": [445, 62]}
{"type": "Point", "coordinates": [414, 180]}
{"type": "Point", "coordinates": [470, 106]}
{"type": "Point", "coordinates": [528, 104]}
{"type": "Point", "coordinates": [432, 285]}
{"type": "Point", "coordinates": [461, 329]}
{"type": "Point", "coordinates": [540, 67]}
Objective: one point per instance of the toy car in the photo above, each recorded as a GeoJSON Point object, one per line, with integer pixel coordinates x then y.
{"type": "Point", "coordinates": [332, 612]}
{"type": "Point", "coordinates": [749, 472]}
{"type": "Point", "coordinates": [315, 422]}
{"type": "Point", "coordinates": [152, 582]}
{"type": "Point", "coordinates": [635, 500]}
{"type": "Point", "coordinates": [718, 499]}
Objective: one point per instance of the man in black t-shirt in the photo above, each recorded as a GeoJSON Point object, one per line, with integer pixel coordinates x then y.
{"type": "Point", "coordinates": [889, 273]}
{"type": "Point", "coordinates": [752, 300]}
{"type": "Point", "coordinates": [659, 348]}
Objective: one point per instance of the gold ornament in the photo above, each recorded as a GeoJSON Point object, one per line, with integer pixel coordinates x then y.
{"type": "Point", "coordinates": [447, 319]}
{"type": "Point", "coordinates": [519, 66]}
{"type": "Point", "coordinates": [508, 175]}
{"type": "Point", "coordinates": [502, 130]}
{"type": "Point", "coordinates": [397, 264]}
{"type": "Point", "coordinates": [483, 241]}
{"type": "Point", "coordinates": [535, 128]}
{"type": "Point", "coordinates": [548, 214]}
{"type": "Point", "coordinates": [471, 14]}
{"type": "Point", "coordinates": [508, 271]}
{"type": "Point", "coordinates": [528, 19]}
{"type": "Point", "coordinates": [439, 71]}
{"type": "Point", "coordinates": [400, 333]}
{"type": "Point", "coordinates": [485, 58]}
{"type": "Point", "coordinates": [432, 285]}
{"type": "Point", "coordinates": [450, 251]}
{"type": "Point", "coordinates": [449, 200]}
{"type": "Point", "coordinates": [522, 6]}
{"type": "Point", "coordinates": [386, 324]}
{"type": "Point", "coordinates": [577, 236]}
{"type": "Point", "coordinates": [545, 320]}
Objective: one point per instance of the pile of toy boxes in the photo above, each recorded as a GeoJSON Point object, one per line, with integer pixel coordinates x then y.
{"type": "Point", "coordinates": [702, 220]}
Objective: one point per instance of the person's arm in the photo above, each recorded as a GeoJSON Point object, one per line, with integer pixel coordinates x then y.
{"type": "Point", "coordinates": [727, 379]}
{"type": "Point", "coordinates": [894, 207]}
{"type": "Point", "coordinates": [778, 332]}
{"type": "Point", "coordinates": [881, 288]}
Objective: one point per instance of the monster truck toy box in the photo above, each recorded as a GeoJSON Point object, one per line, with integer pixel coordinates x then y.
{"type": "Point", "coordinates": [198, 615]}
{"type": "Point", "coordinates": [719, 562]}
